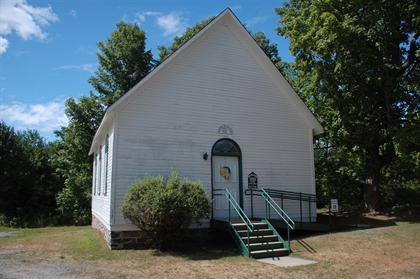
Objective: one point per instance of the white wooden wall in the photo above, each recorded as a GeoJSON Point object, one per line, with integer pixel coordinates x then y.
{"type": "Point", "coordinates": [101, 188]}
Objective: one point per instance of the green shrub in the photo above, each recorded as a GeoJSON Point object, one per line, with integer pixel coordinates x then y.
{"type": "Point", "coordinates": [164, 208]}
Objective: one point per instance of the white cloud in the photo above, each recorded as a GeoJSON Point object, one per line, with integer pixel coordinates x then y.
{"type": "Point", "coordinates": [19, 53]}
{"type": "Point", "coordinates": [87, 49]}
{"type": "Point", "coordinates": [256, 20]}
{"type": "Point", "coordinates": [172, 24]}
{"type": "Point", "coordinates": [73, 13]}
{"type": "Point", "coordinates": [236, 8]}
{"type": "Point", "coordinates": [41, 117]}
{"type": "Point", "coordinates": [4, 44]}
{"type": "Point", "coordinates": [24, 19]}
{"type": "Point", "coordinates": [2, 79]}
{"type": "Point", "coordinates": [142, 16]}
{"type": "Point", "coordinates": [83, 67]}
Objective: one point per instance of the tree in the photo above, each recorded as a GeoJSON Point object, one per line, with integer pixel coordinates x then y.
{"type": "Point", "coordinates": [122, 63]}
{"type": "Point", "coordinates": [71, 159]}
{"type": "Point", "coordinates": [28, 181]}
{"type": "Point", "coordinates": [358, 70]}
{"type": "Point", "coordinates": [271, 50]}
{"type": "Point", "coordinates": [44, 181]}
{"type": "Point", "coordinates": [14, 166]}
{"type": "Point", "coordinates": [164, 208]}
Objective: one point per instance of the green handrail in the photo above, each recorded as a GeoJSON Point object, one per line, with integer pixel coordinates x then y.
{"type": "Point", "coordinates": [232, 202]}
{"type": "Point", "coordinates": [289, 222]}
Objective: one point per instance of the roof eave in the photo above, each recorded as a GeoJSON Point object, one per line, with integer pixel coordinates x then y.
{"type": "Point", "coordinates": [109, 115]}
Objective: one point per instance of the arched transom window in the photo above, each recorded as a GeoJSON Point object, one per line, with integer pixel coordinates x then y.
{"type": "Point", "coordinates": [226, 147]}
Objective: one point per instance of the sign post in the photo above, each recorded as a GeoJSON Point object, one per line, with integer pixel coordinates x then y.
{"type": "Point", "coordinates": [252, 184]}
{"type": "Point", "coordinates": [334, 208]}
{"type": "Point", "coordinates": [334, 205]}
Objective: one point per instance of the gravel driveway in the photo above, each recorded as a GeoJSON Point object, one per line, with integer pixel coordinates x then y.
{"type": "Point", "coordinates": [14, 266]}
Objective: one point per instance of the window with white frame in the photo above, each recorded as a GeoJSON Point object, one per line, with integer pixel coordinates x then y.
{"type": "Point", "coordinates": [95, 171]}
{"type": "Point", "coordinates": [106, 164]}
{"type": "Point", "coordinates": [100, 171]}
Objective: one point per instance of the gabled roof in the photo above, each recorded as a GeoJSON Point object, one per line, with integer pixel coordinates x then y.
{"type": "Point", "coordinates": [228, 17]}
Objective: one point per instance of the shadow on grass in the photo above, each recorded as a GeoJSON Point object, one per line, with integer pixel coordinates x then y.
{"type": "Point", "coordinates": [221, 245]}
{"type": "Point", "coordinates": [362, 219]}
{"type": "Point", "coordinates": [306, 246]}
{"type": "Point", "coordinates": [345, 221]}
{"type": "Point", "coordinates": [411, 215]}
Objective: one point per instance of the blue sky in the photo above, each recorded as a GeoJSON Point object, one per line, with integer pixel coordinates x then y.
{"type": "Point", "coordinates": [47, 48]}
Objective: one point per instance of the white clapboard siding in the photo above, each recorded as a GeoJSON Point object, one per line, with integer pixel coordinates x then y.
{"type": "Point", "coordinates": [101, 200]}
{"type": "Point", "coordinates": [174, 120]}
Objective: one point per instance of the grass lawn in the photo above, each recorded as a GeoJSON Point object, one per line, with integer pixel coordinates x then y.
{"type": "Point", "coordinates": [385, 247]}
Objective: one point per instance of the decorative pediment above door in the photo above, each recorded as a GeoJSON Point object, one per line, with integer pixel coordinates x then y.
{"type": "Point", "coordinates": [225, 129]}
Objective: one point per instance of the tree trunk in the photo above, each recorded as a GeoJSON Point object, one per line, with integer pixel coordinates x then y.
{"type": "Point", "coordinates": [372, 194]}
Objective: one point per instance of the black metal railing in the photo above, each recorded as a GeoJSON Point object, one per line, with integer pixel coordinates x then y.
{"type": "Point", "coordinates": [302, 198]}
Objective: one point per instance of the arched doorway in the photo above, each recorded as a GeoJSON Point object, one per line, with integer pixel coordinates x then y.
{"type": "Point", "coordinates": [226, 174]}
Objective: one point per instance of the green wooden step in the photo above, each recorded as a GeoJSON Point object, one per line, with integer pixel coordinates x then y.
{"type": "Point", "coordinates": [269, 253]}
{"type": "Point", "coordinates": [256, 232]}
{"type": "Point", "coordinates": [266, 245]}
{"type": "Point", "coordinates": [242, 226]}
{"type": "Point", "coordinates": [260, 238]}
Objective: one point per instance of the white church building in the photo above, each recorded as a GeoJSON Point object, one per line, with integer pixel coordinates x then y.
{"type": "Point", "coordinates": [217, 105]}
